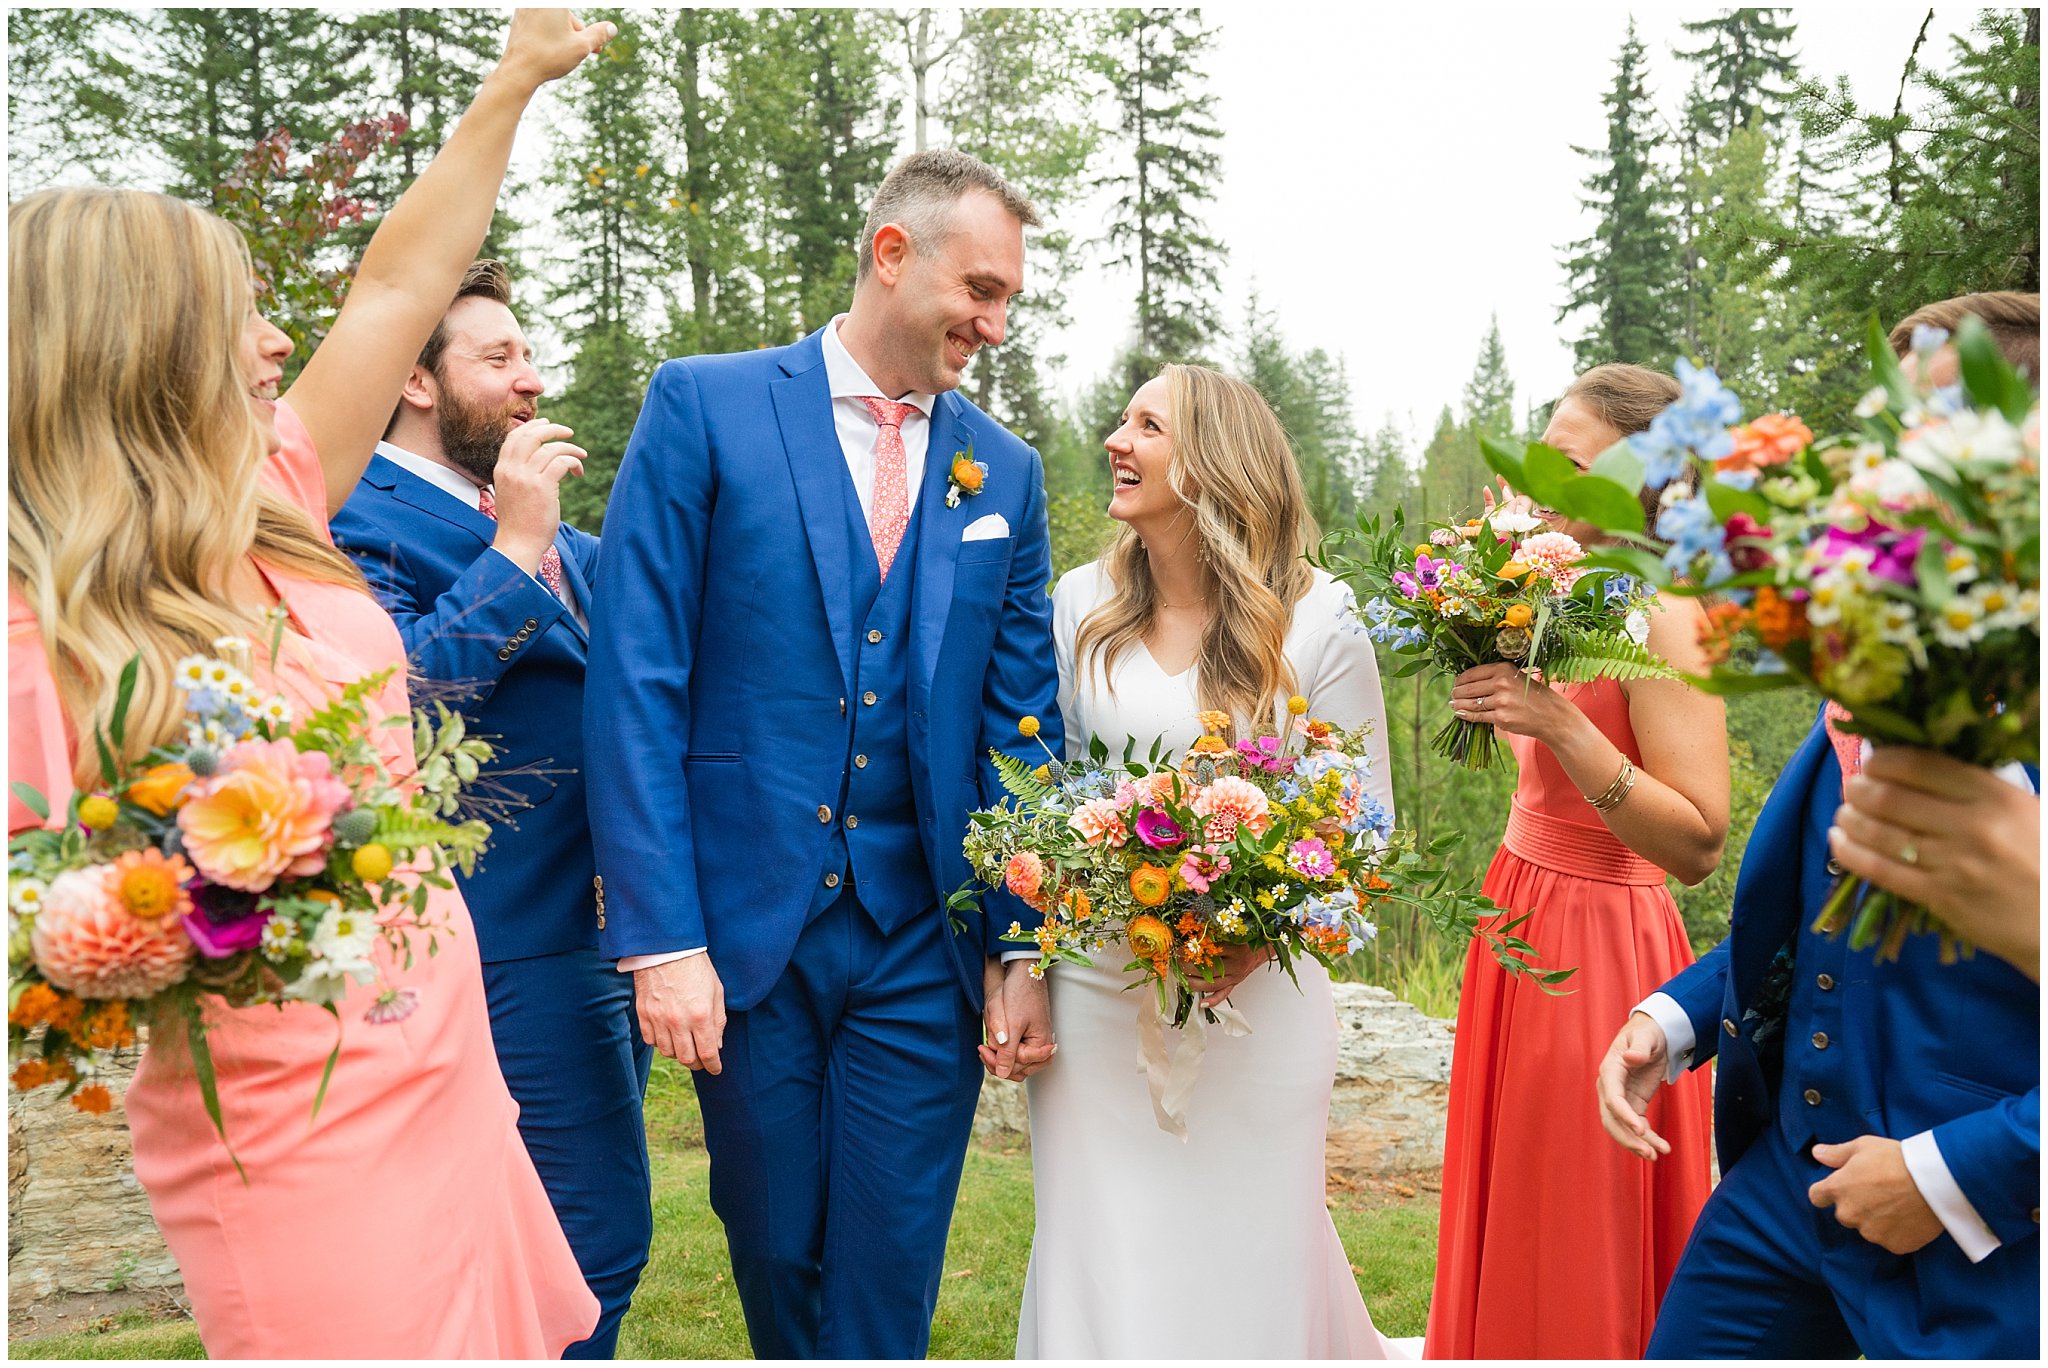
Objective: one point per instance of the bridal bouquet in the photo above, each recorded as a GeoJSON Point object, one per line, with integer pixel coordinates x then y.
{"type": "Point", "coordinates": [255, 859]}
{"type": "Point", "coordinates": [1893, 570]}
{"type": "Point", "coordinates": [1272, 841]}
{"type": "Point", "coordinates": [1496, 589]}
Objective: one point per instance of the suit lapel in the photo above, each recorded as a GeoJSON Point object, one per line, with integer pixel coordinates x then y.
{"type": "Point", "coordinates": [410, 489]}
{"type": "Point", "coordinates": [817, 467]}
{"type": "Point", "coordinates": [938, 537]}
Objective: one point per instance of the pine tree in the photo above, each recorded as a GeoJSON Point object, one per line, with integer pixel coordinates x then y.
{"type": "Point", "coordinates": [1166, 166]}
{"type": "Point", "coordinates": [1490, 394]}
{"type": "Point", "coordinates": [1747, 71]}
{"type": "Point", "coordinates": [1628, 272]}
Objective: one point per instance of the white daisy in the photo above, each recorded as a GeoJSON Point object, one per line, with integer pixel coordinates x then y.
{"type": "Point", "coordinates": [1998, 601]}
{"type": "Point", "coordinates": [1960, 622]}
{"type": "Point", "coordinates": [344, 934]}
{"type": "Point", "coordinates": [1961, 565]}
{"type": "Point", "coordinates": [191, 672]}
{"type": "Point", "coordinates": [1831, 593]}
{"type": "Point", "coordinates": [26, 895]}
{"type": "Point", "coordinates": [1897, 623]}
{"type": "Point", "coordinates": [1873, 402]}
{"type": "Point", "coordinates": [276, 711]}
{"type": "Point", "coordinates": [279, 934]}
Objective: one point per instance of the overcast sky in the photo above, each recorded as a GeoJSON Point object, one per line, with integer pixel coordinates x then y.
{"type": "Point", "coordinates": [1392, 175]}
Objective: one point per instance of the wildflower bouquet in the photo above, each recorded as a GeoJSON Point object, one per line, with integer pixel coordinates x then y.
{"type": "Point", "coordinates": [255, 859]}
{"type": "Point", "coordinates": [1893, 570]}
{"type": "Point", "coordinates": [1495, 589]}
{"type": "Point", "coordinates": [1262, 843]}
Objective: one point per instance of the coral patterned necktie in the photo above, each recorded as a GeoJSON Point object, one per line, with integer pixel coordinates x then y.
{"type": "Point", "coordinates": [892, 493]}
{"type": "Point", "coordinates": [1848, 748]}
{"type": "Point", "coordinates": [550, 560]}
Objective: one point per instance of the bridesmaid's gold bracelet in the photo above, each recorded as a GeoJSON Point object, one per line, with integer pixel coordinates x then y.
{"type": "Point", "coordinates": [1618, 791]}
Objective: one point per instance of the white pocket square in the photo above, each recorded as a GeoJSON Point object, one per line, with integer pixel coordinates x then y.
{"type": "Point", "coordinates": [987, 527]}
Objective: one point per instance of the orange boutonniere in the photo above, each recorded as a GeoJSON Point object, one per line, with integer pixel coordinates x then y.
{"type": "Point", "coordinates": [965, 477]}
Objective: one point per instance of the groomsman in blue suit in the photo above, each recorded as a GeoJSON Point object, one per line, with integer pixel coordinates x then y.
{"type": "Point", "coordinates": [1878, 1124]}
{"type": "Point", "coordinates": [457, 526]}
{"type": "Point", "coordinates": [823, 601]}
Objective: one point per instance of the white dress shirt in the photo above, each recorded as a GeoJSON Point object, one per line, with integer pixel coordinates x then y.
{"type": "Point", "coordinates": [859, 434]}
{"type": "Point", "coordinates": [459, 486]}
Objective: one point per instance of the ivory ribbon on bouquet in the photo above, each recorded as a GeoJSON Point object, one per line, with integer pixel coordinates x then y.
{"type": "Point", "coordinates": [1171, 1075]}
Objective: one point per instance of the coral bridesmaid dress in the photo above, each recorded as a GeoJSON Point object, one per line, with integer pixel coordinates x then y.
{"type": "Point", "coordinates": [1554, 1242]}
{"type": "Point", "coordinates": [407, 1220]}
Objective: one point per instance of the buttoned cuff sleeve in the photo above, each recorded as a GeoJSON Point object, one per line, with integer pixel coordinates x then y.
{"type": "Point", "coordinates": [1009, 955]}
{"type": "Point", "coordinates": [1930, 1174]}
{"type": "Point", "coordinates": [1679, 1040]}
{"type": "Point", "coordinates": [633, 962]}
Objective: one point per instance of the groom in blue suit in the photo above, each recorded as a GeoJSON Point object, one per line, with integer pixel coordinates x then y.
{"type": "Point", "coordinates": [457, 527]}
{"type": "Point", "coordinates": [823, 601]}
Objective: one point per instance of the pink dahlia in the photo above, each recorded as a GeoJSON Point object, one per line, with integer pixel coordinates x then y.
{"type": "Point", "coordinates": [1228, 804]}
{"type": "Point", "coordinates": [1553, 553]}
{"type": "Point", "coordinates": [1023, 874]}
{"type": "Point", "coordinates": [265, 816]}
{"type": "Point", "coordinates": [1100, 820]}
{"type": "Point", "coordinates": [87, 942]}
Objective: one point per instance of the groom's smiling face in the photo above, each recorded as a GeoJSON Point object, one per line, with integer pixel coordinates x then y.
{"type": "Point", "coordinates": [951, 298]}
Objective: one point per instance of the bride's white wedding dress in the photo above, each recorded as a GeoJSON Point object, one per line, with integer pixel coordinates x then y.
{"type": "Point", "coordinates": [1218, 1245]}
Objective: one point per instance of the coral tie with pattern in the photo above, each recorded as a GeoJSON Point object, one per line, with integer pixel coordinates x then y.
{"type": "Point", "coordinates": [1848, 747]}
{"type": "Point", "coordinates": [892, 491]}
{"type": "Point", "coordinates": [550, 560]}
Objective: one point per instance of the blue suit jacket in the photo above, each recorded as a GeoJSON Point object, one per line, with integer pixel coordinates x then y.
{"type": "Point", "coordinates": [493, 643]}
{"type": "Point", "coordinates": [1951, 1048]}
{"type": "Point", "coordinates": [722, 651]}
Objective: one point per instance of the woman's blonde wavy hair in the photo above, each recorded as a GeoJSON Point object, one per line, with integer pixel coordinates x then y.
{"type": "Point", "coordinates": [1235, 472]}
{"type": "Point", "coordinates": [134, 458]}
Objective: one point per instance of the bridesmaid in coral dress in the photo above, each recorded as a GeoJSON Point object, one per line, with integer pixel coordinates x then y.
{"type": "Point", "coordinates": [161, 496]}
{"type": "Point", "coordinates": [1551, 1245]}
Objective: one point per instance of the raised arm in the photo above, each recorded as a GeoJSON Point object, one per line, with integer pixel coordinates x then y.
{"type": "Point", "coordinates": [415, 260]}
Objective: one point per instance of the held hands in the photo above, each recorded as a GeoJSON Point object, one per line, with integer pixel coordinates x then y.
{"type": "Point", "coordinates": [682, 1010]}
{"type": "Point", "coordinates": [1873, 1194]}
{"type": "Point", "coordinates": [1512, 701]}
{"type": "Point", "coordinates": [1629, 1077]}
{"type": "Point", "coordinates": [1016, 1020]}
{"type": "Point", "coordinates": [528, 487]}
{"type": "Point", "coordinates": [546, 44]}
{"type": "Point", "coordinates": [1953, 837]}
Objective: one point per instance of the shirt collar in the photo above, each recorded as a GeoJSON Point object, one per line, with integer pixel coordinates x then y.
{"type": "Point", "coordinates": [849, 381]}
{"type": "Point", "coordinates": [453, 482]}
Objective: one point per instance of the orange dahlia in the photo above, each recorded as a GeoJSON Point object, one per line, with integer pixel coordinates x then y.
{"type": "Point", "coordinates": [86, 940]}
{"type": "Point", "coordinates": [268, 813]}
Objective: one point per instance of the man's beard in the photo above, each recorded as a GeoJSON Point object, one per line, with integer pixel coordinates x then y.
{"type": "Point", "coordinates": [471, 435]}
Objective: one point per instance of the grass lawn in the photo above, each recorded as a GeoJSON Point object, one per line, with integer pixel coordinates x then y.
{"type": "Point", "coordinates": [686, 1306]}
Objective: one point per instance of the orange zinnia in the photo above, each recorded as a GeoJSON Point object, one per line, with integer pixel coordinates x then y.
{"type": "Point", "coordinates": [1772, 439]}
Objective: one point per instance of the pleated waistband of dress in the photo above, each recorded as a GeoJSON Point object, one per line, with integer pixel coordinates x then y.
{"type": "Point", "coordinates": [1570, 848]}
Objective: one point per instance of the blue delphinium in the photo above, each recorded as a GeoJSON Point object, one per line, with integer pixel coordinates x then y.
{"type": "Point", "coordinates": [1688, 524]}
{"type": "Point", "coordinates": [1697, 422]}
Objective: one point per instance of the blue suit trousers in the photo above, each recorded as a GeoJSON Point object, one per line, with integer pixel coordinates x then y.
{"type": "Point", "coordinates": [569, 1045]}
{"type": "Point", "coordinates": [837, 1130]}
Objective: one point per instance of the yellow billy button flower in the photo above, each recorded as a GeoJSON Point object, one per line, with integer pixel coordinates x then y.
{"type": "Point", "coordinates": [98, 812]}
{"type": "Point", "coordinates": [371, 863]}
{"type": "Point", "coordinates": [1297, 705]}
{"type": "Point", "coordinates": [1424, 549]}
{"type": "Point", "coordinates": [1517, 615]}
{"type": "Point", "coordinates": [1043, 774]}
{"type": "Point", "coordinates": [1027, 727]}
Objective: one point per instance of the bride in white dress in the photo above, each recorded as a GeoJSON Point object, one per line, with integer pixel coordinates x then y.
{"type": "Point", "coordinates": [1215, 1244]}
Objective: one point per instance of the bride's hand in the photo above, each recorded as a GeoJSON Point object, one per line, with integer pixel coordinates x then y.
{"type": "Point", "coordinates": [1509, 500]}
{"type": "Point", "coordinates": [1233, 967]}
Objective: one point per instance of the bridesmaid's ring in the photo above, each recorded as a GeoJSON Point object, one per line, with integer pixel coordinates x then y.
{"type": "Point", "coordinates": [1909, 854]}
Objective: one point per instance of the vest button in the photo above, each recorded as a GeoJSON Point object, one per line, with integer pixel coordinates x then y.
{"type": "Point", "coordinates": [1820, 1040]}
{"type": "Point", "coordinates": [1728, 1025]}
{"type": "Point", "coordinates": [1835, 867]}
{"type": "Point", "coordinates": [1812, 1096]}
{"type": "Point", "coordinates": [831, 881]}
{"type": "Point", "coordinates": [1826, 983]}
{"type": "Point", "coordinates": [860, 762]}
{"type": "Point", "coordinates": [868, 698]}
{"type": "Point", "coordinates": [851, 821]}
{"type": "Point", "coordinates": [874, 636]}
{"type": "Point", "coordinates": [842, 707]}
{"type": "Point", "coordinates": [824, 813]}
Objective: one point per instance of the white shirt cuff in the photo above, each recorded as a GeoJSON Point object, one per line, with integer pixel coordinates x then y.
{"type": "Point", "coordinates": [1679, 1039]}
{"type": "Point", "coordinates": [633, 962]}
{"type": "Point", "coordinates": [1930, 1174]}
{"type": "Point", "coordinates": [1009, 955]}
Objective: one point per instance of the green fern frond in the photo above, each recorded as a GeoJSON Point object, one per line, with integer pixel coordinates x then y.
{"type": "Point", "coordinates": [1581, 657]}
{"type": "Point", "coordinates": [1018, 780]}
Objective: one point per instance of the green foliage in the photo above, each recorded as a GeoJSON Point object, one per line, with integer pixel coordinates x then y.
{"type": "Point", "coordinates": [1747, 73]}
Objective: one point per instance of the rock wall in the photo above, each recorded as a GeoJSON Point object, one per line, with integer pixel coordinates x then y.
{"type": "Point", "coordinates": [77, 1221]}
{"type": "Point", "coordinates": [1387, 1109]}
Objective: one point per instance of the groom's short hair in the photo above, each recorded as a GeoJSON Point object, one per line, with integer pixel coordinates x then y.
{"type": "Point", "coordinates": [2012, 317]}
{"type": "Point", "coordinates": [919, 194]}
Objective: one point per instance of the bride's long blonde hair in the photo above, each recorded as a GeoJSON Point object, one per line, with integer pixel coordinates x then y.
{"type": "Point", "coordinates": [1234, 471]}
{"type": "Point", "coordinates": [134, 458]}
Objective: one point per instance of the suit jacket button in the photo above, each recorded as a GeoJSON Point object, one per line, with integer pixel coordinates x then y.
{"type": "Point", "coordinates": [532, 623]}
{"type": "Point", "coordinates": [505, 654]}
{"type": "Point", "coordinates": [831, 881]}
{"type": "Point", "coordinates": [1835, 867]}
{"type": "Point", "coordinates": [1812, 1096]}
{"type": "Point", "coordinates": [1728, 1025]}
{"type": "Point", "coordinates": [868, 698]}
{"type": "Point", "coordinates": [1820, 1040]}
{"type": "Point", "coordinates": [1825, 982]}
{"type": "Point", "coordinates": [860, 762]}
{"type": "Point", "coordinates": [842, 707]}
{"type": "Point", "coordinates": [874, 636]}
{"type": "Point", "coordinates": [824, 813]}
{"type": "Point", "coordinates": [851, 821]}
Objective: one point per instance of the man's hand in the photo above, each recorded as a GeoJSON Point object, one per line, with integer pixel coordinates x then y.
{"type": "Point", "coordinates": [527, 485]}
{"type": "Point", "coordinates": [682, 1010]}
{"type": "Point", "coordinates": [1629, 1077]}
{"type": "Point", "coordinates": [545, 44]}
{"type": "Point", "coordinates": [1873, 1193]}
{"type": "Point", "coordinates": [1017, 1020]}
